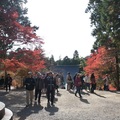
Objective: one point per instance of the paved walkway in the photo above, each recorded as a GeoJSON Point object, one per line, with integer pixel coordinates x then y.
{"type": "Point", "coordinates": [103, 105]}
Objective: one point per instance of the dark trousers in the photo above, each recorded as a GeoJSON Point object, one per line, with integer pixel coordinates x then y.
{"type": "Point", "coordinates": [78, 90]}
{"type": "Point", "coordinates": [7, 86]}
{"type": "Point", "coordinates": [50, 95]}
{"type": "Point", "coordinates": [87, 86]}
{"type": "Point", "coordinates": [106, 87]}
{"type": "Point", "coordinates": [38, 94]}
{"type": "Point", "coordinates": [93, 87]}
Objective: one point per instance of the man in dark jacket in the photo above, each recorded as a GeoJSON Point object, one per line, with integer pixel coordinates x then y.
{"type": "Point", "coordinates": [50, 85]}
{"type": "Point", "coordinates": [38, 87]}
{"type": "Point", "coordinates": [30, 84]}
{"type": "Point", "coordinates": [8, 82]}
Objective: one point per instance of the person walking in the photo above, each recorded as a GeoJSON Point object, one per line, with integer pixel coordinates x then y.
{"type": "Point", "coordinates": [69, 81]}
{"type": "Point", "coordinates": [8, 82]}
{"type": "Point", "coordinates": [38, 87]}
{"type": "Point", "coordinates": [106, 83]}
{"type": "Point", "coordinates": [93, 82]}
{"type": "Point", "coordinates": [50, 85]}
{"type": "Point", "coordinates": [87, 82]}
{"type": "Point", "coordinates": [78, 85]}
{"type": "Point", "coordinates": [58, 82]}
{"type": "Point", "coordinates": [30, 84]}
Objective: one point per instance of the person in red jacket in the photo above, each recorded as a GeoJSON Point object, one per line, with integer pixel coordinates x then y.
{"type": "Point", "coordinates": [78, 84]}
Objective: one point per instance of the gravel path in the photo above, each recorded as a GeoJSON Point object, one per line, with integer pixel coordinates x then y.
{"type": "Point", "coordinates": [103, 105]}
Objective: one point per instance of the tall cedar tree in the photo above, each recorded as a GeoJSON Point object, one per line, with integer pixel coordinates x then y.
{"type": "Point", "coordinates": [105, 17]}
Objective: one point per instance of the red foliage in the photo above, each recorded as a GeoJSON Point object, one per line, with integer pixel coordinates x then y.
{"type": "Point", "coordinates": [112, 88]}
{"type": "Point", "coordinates": [33, 60]}
{"type": "Point", "coordinates": [11, 65]}
{"type": "Point", "coordinates": [98, 62]}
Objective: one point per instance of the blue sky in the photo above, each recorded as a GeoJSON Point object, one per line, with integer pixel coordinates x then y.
{"type": "Point", "coordinates": [63, 25]}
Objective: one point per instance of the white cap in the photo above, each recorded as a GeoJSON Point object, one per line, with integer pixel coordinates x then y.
{"type": "Point", "coordinates": [29, 72]}
{"type": "Point", "coordinates": [39, 73]}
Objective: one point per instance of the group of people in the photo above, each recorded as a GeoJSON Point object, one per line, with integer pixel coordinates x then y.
{"type": "Point", "coordinates": [50, 82]}
{"type": "Point", "coordinates": [79, 81]}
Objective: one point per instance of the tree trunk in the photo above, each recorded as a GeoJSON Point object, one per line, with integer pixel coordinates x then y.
{"type": "Point", "coordinates": [117, 71]}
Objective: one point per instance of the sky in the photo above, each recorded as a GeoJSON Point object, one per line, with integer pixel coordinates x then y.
{"type": "Point", "coordinates": [63, 25]}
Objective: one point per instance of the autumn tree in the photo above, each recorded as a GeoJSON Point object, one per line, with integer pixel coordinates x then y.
{"type": "Point", "coordinates": [33, 60]}
{"type": "Point", "coordinates": [15, 27]}
{"type": "Point", "coordinates": [100, 62]}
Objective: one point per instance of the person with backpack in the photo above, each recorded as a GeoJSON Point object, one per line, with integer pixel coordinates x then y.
{"type": "Point", "coordinates": [50, 86]}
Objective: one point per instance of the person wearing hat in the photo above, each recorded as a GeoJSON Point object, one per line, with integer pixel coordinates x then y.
{"type": "Point", "coordinates": [38, 87]}
{"type": "Point", "coordinates": [30, 84]}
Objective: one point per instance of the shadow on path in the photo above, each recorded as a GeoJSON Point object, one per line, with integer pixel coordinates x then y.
{"type": "Point", "coordinates": [51, 109]}
{"type": "Point", "coordinates": [58, 94]}
{"type": "Point", "coordinates": [99, 95]}
{"type": "Point", "coordinates": [84, 100]}
{"type": "Point", "coordinates": [27, 111]}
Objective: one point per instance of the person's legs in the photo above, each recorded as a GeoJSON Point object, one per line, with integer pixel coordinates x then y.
{"type": "Point", "coordinates": [68, 86]}
{"type": "Point", "coordinates": [6, 87]}
{"type": "Point", "coordinates": [79, 91]}
{"type": "Point", "coordinates": [36, 94]}
{"type": "Point", "coordinates": [27, 97]}
{"type": "Point", "coordinates": [104, 87]}
{"type": "Point", "coordinates": [89, 86]}
{"type": "Point", "coordinates": [92, 89]}
{"type": "Point", "coordinates": [57, 88]}
{"type": "Point", "coordinates": [76, 91]}
{"type": "Point", "coordinates": [39, 96]}
{"type": "Point", "coordinates": [31, 96]}
{"type": "Point", "coordinates": [52, 97]}
{"type": "Point", "coordinates": [48, 95]}
{"type": "Point", "coordinates": [9, 87]}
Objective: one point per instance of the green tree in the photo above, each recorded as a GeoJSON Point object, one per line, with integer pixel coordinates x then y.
{"type": "Point", "coordinates": [75, 54]}
{"type": "Point", "coordinates": [106, 21]}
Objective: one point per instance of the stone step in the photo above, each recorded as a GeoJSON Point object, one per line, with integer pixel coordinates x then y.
{"type": "Point", "coordinates": [8, 115]}
{"type": "Point", "coordinates": [2, 110]}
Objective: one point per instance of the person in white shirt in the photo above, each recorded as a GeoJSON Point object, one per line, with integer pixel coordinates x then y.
{"type": "Point", "coordinates": [87, 82]}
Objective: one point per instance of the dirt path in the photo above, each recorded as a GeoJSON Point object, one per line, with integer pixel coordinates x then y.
{"type": "Point", "coordinates": [102, 105]}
